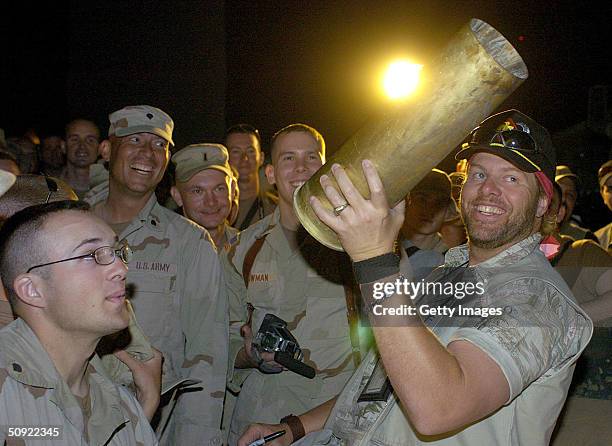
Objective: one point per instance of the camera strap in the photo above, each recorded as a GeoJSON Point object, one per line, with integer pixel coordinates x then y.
{"type": "Point", "coordinates": [352, 311]}
{"type": "Point", "coordinates": [249, 259]}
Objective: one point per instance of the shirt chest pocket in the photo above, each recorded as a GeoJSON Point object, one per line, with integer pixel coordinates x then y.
{"type": "Point", "coordinates": [154, 299]}
{"type": "Point", "coordinates": [326, 314]}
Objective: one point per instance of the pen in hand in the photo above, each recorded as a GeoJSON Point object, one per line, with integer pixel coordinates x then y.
{"type": "Point", "coordinates": [268, 438]}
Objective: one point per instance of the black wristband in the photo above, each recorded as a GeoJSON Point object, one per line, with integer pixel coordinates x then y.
{"type": "Point", "coordinates": [371, 270]}
{"type": "Point", "coordinates": [295, 425]}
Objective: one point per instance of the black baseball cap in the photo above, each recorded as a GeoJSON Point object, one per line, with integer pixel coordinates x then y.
{"type": "Point", "coordinates": [516, 138]}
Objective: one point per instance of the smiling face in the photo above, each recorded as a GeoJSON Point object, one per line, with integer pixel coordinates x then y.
{"type": "Point", "coordinates": [205, 198]}
{"type": "Point", "coordinates": [499, 203]}
{"type": "Point", "coordinates": [81, 296]}
{"type": "Point", "coordinates": [296, 156]}
{"type": "Point", "coordinates": [136, 162]}
{"type": "Point", "coordinates": [82, 141]}
{"type": "Point", "coordinates": [244, 155]}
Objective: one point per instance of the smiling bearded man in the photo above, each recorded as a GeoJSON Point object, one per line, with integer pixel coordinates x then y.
{"type": "Point", "coordinates": [495, 379]}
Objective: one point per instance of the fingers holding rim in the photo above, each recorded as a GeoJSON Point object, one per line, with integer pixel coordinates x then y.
{"type": "Point", "coordinates": [348, 189]}
{"type": "Point", "coordinates": [323, 214]}
{"type": "Point", "coordinates": [333, 195]}
{"type": "Point", "coordinates": [377, 190]}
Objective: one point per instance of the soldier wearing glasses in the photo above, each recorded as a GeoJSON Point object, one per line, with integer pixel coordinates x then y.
{"type": "Point", "coordinates": [65, 278]}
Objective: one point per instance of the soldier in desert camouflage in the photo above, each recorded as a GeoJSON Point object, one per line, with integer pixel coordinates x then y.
{"type": "Point", "coordinates": [292, 276]}
{"type": "Point", "coordinates": [65, 277]}
{"type": "Point", "coordinates": [175, 276]}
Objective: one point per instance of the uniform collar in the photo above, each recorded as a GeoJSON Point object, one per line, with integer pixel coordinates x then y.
{"type": "Point", "coordinates": [460, 255]}
{"type": "Point", "coordinates": [26, 359]}
{"type": "Point", "coordinates": [151, 214]}
{"type": "Point", "coordinates": [277, 239]}
{"type": "Point", "coordinates": [29, 363]}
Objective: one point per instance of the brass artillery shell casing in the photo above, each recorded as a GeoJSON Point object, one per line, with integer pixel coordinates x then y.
{"type": "Point", "coordinates": [475, 73]}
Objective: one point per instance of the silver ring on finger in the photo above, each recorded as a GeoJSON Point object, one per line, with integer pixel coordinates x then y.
{"type": "Point", "coordinates": [339, 209]}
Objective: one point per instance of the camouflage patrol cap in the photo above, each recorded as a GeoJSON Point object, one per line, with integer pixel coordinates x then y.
{"type": "Point", "coordinates": [197, 157]}
{"type": "Point", "coordinates": [141, 119]}
{"type": "Point", "coordinates": [563, 171]}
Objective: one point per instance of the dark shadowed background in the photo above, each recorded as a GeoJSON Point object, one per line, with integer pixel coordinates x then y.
{"type": "Point", "coordinates": [214, 63]}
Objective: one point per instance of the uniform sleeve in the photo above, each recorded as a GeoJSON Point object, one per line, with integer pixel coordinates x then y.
{"type": "Point", "coordinates": [143, 433]}
{"type": "Point", "coordinates": [204, 319]}
{"type": "Point", "coordinates": [237, 296]}
{"type": "Point", "coordinates": [538, 333]}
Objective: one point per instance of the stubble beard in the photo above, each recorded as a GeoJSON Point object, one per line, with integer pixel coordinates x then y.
{"type": "Point", "coordinates": [518, 227]}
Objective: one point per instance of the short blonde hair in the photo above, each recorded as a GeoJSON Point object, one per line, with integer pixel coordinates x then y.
{"type": "Point", "coordinates": [298, 127]}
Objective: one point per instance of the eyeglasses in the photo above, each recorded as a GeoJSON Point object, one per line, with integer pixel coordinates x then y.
{"type": "Point", "coordinates": [105, 255]}
{"type": "Point", "coordinates": [52, 186]}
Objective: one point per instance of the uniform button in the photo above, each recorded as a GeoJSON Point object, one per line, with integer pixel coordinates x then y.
{"type": "Point", "coordinates": [17, 368]}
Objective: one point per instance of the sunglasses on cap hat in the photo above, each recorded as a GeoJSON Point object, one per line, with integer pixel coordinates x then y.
{"type": "Point", "coordinates": [509, 136]}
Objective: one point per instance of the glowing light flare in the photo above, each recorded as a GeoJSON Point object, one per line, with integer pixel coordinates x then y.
{"type": "Point", "coordinates": [401, 79]}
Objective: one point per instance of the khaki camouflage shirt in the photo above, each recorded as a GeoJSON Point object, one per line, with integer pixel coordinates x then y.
{"type": "Point", "coordinates": [304, 287]}
{"type": "Point", "coordinates": [33, 394]}
{"type": "Point", "coordinates": [536, 342]}
{"type": "Point", "coordinates": [176, 288]}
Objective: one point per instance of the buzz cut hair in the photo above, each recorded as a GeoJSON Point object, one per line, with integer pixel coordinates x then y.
{"type": "Point", "coordinates": [23, 241]}
{"type": "Point", "coordinates": [243, 128]}
{"type": "Point", "coordinates": [299, 127]}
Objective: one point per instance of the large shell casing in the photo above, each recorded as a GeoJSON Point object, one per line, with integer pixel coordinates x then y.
{"type": "Point", "coordinates": [475, 73]}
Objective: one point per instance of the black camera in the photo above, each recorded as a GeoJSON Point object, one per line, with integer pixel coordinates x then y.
{"type": "Point", "coordinates": [274, 337]}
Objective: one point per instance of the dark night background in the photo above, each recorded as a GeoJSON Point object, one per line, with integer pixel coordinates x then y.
{"type": "Point", "coordinates": [212, 63]}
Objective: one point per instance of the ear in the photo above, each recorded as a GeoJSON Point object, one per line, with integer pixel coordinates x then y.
{"type": "Point", "coordinates": [176, 195]}
{"type": "Point", "coordinates": [28, 288]}
{"type": "Point", "coordinates": [104, 150]}
{"type": "Point", "coordinates": [63, 147]}
{"type": "Point", "coordinates": [269, 170]}
{"type": "Point", "coordinates": [543, 203]}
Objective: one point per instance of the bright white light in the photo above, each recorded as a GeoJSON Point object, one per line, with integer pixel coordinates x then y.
{"type": "Point", "coordinates": [401, 79]}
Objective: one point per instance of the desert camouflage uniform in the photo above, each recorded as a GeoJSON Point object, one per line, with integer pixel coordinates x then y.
{"type": "Point", "coordinates": [284, 283]}
{"type": "Point", "coordinates": [536, 345]}
{"type": "Point", "coordinates": [32, 393]}
{"type": "Point", "coordinates": [177, 291]}
{"type": "Point", "coordinates": [231, 235]}
{"type": "Point", "coordinates": [131, 339]}
{"type": "Point", "coordinates": [264, 203]}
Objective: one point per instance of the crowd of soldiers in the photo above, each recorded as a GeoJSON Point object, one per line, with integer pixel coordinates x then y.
{"type": "Point", "coordinates": [171, 350]}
